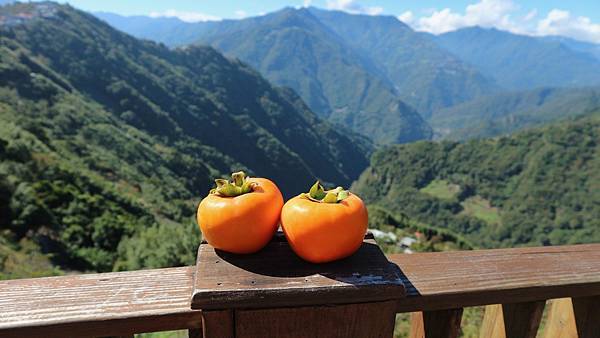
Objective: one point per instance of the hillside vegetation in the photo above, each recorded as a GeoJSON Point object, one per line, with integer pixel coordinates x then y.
{"type": "Point", "coordinates": [505, 113]}
{"type": "Point", "coordinates": [107, 143]}
{"type": "Point", "coordinates": [538, 187]}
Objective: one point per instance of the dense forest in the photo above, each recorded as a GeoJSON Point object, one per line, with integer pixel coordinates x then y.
{"type": "Point", "coordinates": [107, 143]}
{"type": "Point", "coordinates": [537, 187]}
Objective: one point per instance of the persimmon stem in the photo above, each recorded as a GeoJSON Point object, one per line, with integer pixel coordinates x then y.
{"type": "Point", "coordinates": [318, 194]}
{"type": "Point", "coordinates": [239, 185]}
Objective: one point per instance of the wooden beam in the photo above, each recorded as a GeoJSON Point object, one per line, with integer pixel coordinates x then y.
{"type": "Point", "coordinates": [436, 324]}
{"type": "Point", "coordinates": [445, 280]}
{"type": "Point", "coordinates": [513, 320]}
{"type": "Point", "coordinates": [107, 304]}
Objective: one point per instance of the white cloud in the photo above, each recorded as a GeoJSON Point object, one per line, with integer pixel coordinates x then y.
{"type": "Point", "coordinates": [184, 16]}
{"type": "Point", "coordinates": [407, 17]}
{"type": "Point", "coordinates": [486, 13]}
{"type": "Point", "coordinates": [240, 14]}
{"type": "Point", "coordinates": [353, 7]}
{"type": "Point", "coordinates": [504, 14]}
{"type": "Point", "coordinates": [559, 22]}
{"type": "Point", "coordinates": [306, 3]}
{"type": "Point", "coordinates": [530, 15]}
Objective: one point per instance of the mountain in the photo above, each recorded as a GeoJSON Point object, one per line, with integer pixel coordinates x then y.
{"type": "Point", "coordinates": [538, 187]}
{"type": "Point", "coordinates": [293, 48]}
{"type": "Point", "coordinates": [427, 76]}
{"type": "Point", "coordinates": [522, 62]}
{"type": "Point", "coordinates": [504, 113]}
{"type": "Point", "coordinates": [576, 45]}
{"type": "Point", "coordinates": [170, 31]}
{"type": "Point", "coordinates": [108, 142]}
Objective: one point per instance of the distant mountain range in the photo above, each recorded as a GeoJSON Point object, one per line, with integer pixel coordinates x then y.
{"type": "Point", "coordinates": [524, 62]}
{"type": "Point", "coordinates": [366, 72]}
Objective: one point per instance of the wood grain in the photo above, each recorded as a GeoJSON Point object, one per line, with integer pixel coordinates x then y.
{"type": "Point", "coordinates": [516, 320]}
{"type": "Point", "coordinates": [436, 324]}
{"type": "Point", "coordinates": [561, 321]}
{"type": "Point", "coordinates": [276, 277]}
{"type": "Point", "coordinates": [445, 280]}
{"type": "Point", "coordinates": [109, 304]}
{"type": "Point", "coordinates": [366, 320]}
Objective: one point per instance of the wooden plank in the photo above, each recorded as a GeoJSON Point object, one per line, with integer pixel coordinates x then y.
{"type": "Point", "coordinates": [276, 277]}
{"type": "Point", "coordinates": [436, 324]}
{"type": "Point", "coordinates": [368, 320]}
{"type": "Point", "coordinates": [516, 320]}
{"type": "Point", "coordinates": [587, 316]}
{"type": "Point", "coordinates": [218, 324]}
{"type": "Point", "coordinates": [445, 280]}
{"type": "Point", "coordinates": [561, 321]}
{"type": "Point", "coordinates": [109, 304]}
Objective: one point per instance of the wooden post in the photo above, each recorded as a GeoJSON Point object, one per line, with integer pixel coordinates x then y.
{"type": "Point", "coordinates": [436, 324]}
{"type": "Point", "coordinates": [587, 316]}
{"type": "Point", "coordinates": [273, 293]}
{"type": "Point", "coordinates": [218, 324]}
{"type": "Point", "coordinates": [369, 320]}
{"type": "Point", "coordinates": [513, 320]}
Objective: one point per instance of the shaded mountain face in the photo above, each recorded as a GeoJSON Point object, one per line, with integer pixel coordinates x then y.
{"type": "Point", "coordinates": [427, 76]}
{"type": "Point", "coordinates": [504, 113]}
{"type": "Point", "coordinates": [292, 48]}
{"type": "Point", "coordinates": [523, 62]}
{"type": "Point", "coordinates": [538, 187]}
{"type": "Point", "coordinates": [106, 139]}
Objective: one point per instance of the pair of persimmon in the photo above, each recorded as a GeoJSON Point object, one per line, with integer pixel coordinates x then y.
{"type": "Point", "coordinates": [242, 215]}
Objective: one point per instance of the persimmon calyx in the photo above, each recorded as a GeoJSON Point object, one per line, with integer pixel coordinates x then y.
{"type": "Point", "coordinates": [238, 185]}
{"type": "Point", "coordinates": [318, 194]}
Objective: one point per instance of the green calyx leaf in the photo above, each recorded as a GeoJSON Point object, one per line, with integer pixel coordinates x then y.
{"type": "Point", "coordinates": [318, 194]}
{"type": "Point", "coordinates": [238, 185]}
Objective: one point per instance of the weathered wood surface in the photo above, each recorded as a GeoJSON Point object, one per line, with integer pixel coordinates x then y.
{"type": "Point", "coordinates": [517, 320]}
{"type": "Point", "coordinates": [436, 324]}
{"type": "Point", "coordinates": [445, 280]}
{"type": "Point", "coordinates": [366, 320]}
{"type": "Point", "coordinates": [109, 304]}
{"type": "Point", "coordinates": [276, 277]}
{"type": "Point", "coordinates": [155, 300]}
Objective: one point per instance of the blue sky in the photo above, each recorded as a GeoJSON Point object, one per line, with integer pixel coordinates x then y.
{"type": "Point", "coordinates": [577, 19]}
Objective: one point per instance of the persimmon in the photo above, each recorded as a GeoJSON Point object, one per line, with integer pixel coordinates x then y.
{"type": "Point", "coordinates": [240, 216]}
{"type": "Point", "coordinates": [323, 226]}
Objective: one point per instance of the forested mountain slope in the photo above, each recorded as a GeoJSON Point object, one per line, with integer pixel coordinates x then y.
{"type": "Point", "coordinates": [293, 48]}
{"type": "Point", "coordinates": [537, 187]}
{"type": "Point", "coordinates": [427, 76]}
{"type": "Point", "coordinates": [505, 113]}
{"type": "Point", "coordinates": [107, 140]}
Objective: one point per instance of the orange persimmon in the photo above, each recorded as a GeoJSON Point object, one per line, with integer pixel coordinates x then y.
{"type": "Point", "coordinates": [323, 226]}
{"type": "Point", "coordinates": [241, 216]}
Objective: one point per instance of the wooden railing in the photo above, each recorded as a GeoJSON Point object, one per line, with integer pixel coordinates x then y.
{"type": "Point", "coordinates": [438, 286]}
